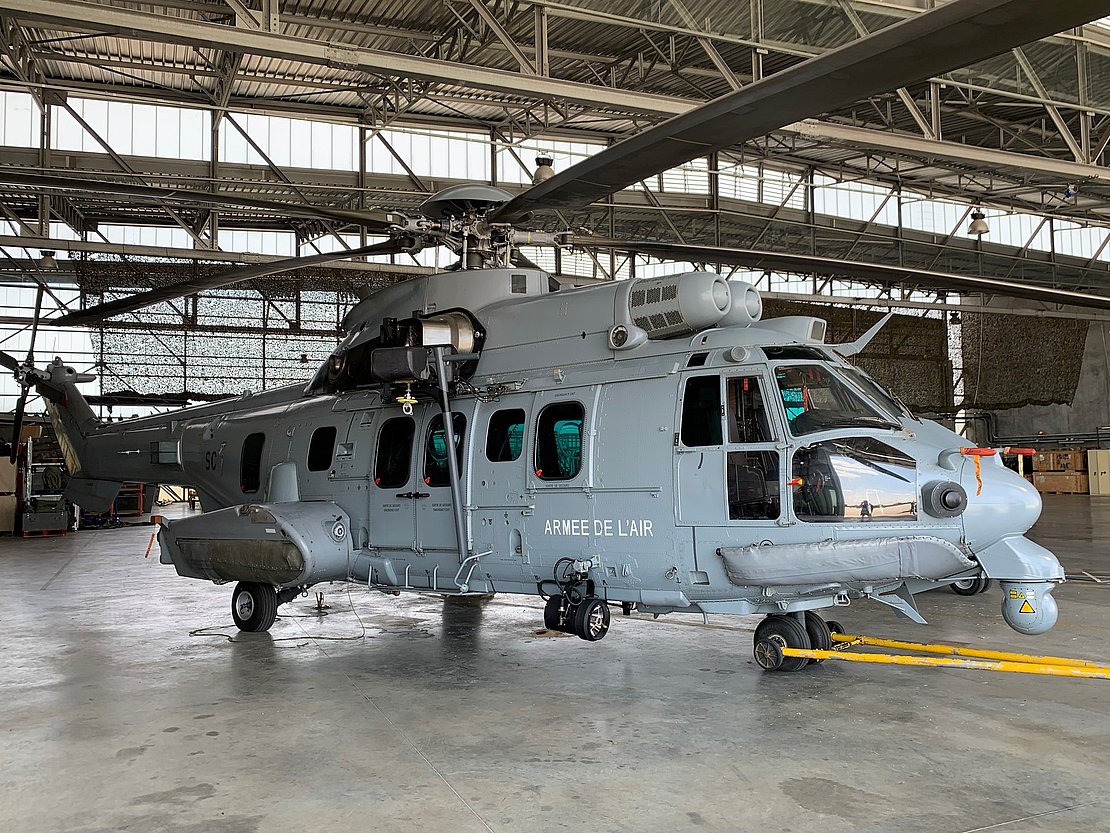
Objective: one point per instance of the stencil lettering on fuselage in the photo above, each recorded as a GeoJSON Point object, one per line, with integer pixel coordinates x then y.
{"type": "Point", "coordinates": [601, 528]}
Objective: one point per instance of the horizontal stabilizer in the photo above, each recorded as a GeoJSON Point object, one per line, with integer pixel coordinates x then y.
{"type": "Point", "coordinates": [92, 495]}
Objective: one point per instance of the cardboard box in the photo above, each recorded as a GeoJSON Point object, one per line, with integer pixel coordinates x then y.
{"type": "Point", "coordinates": [1098, 470]}
{"type": "Point", "coordinates": [7, 513]}
{"type": "Point", "coordinates": [1061, 482]}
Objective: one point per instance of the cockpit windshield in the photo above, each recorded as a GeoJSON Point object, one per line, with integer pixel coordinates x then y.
{"type": "Point", "coordinates": [885, 399]}
{"type": "Point", "coordinates": [815, 399]}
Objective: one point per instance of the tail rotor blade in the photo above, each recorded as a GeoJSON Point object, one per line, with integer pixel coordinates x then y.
{"type": "Point", "coordinates": [35, 326]}
{"type": "Point", "coordinates": [9, 361]}
{"type": "Point", "coordinates": [17, 424]}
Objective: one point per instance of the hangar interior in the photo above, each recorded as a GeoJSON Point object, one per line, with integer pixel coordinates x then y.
{"type": "Point", "coordinates": [415, 711]}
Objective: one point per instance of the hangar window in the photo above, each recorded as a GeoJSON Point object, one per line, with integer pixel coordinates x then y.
{"type": "Point", "coordinates": [391, 465]}
{"type": "Point", "coordinates": [436, 472]}
{"type": "Point", "coordinates": [701, 411]}
{"type": "Point", "coordinates": [321, 448]}
{"type": "Point", "coordinates": [505, 436]}
{"type": "Point", "coordinates": [250, 466]}
{"type": "Point", "coordinates": [559, 441]}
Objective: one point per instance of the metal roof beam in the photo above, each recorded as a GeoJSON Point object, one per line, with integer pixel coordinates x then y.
{"type": "Point", "coordinates": [502, 34]}
{"type": "Point", "coordinates": [77, 16]}
{"type": "Point", "coordinates": [1053, 111]}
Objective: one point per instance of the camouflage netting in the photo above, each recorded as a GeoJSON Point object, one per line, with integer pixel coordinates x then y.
{"type": "Point", "coordinates": [909, 355]}
{"type": "Point", "coordinates": [1009, 362]}
{"type": "Point", "coordinates": [233, 340]}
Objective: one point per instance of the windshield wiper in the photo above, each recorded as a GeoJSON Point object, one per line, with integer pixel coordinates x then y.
{"type": "Point", "coordinates": [859, 422]}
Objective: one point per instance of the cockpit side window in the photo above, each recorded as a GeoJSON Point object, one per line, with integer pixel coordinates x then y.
{"type": "Point", "coordinates": [815, 399]}
{"type": "Point", "coordinates": [854, 479]}
{"type": "Point", "coordinates": [701, 411]}
{"type": "Point", "coordinates": [747, 416]}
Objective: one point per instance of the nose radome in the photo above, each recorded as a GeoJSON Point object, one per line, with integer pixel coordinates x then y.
{"type": "Point", "coordinates": [1005, 504]}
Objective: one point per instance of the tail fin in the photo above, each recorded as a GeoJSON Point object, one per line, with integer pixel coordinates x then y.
{"type": "Point", "coordinates": [74, 422]}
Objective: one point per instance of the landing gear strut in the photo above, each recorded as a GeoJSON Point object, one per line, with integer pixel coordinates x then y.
{"type": "Point", "coordinates": [254, 606]}
{"type": "Point", "coordinates": [805, 631]}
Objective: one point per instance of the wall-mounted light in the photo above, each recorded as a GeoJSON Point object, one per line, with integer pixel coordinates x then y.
{"type": "Point", "coordinates": [978, 225]}
{"type": "Point", "coordinates": [48, 261]}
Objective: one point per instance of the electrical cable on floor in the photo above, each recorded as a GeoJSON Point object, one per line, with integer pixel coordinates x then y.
{"type": "Point", "coordinates": [213, 630]}
{"type": "Point", "coordinates": [1084, 577]}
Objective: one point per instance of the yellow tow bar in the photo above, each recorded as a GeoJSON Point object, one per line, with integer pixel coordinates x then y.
{"type": "Point", "coordinates": [952, 656]}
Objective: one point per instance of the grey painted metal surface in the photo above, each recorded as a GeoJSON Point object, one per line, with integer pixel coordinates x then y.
{"type": "Point", "coordinates": [658, 459]}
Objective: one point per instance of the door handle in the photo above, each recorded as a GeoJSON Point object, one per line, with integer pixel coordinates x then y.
{"type": "Point", "coordinates": [414, 495]}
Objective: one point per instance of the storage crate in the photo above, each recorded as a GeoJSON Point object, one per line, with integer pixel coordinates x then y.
{"type": "Point", "coordinates": [1061, 482]}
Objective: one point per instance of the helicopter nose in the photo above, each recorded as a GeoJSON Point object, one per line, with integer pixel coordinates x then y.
{"type": "Point", "coordinates": [1000, 503]}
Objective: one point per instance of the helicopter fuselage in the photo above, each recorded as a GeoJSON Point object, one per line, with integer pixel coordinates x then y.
{"type": "Point", "coordinates": [744, 468]}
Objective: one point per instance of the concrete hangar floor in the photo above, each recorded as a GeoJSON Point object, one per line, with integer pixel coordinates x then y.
{"type": "Point", "coordinates": [112, 717]}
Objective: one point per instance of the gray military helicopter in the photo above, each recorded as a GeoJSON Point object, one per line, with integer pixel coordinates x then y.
{"type": "Point", "coordinates": [650, 442]}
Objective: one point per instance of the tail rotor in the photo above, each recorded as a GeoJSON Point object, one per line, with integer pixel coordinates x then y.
{"type": "Point", "coordinates": [27, 376]}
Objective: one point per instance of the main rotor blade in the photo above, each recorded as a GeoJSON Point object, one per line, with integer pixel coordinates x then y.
{"type": "Point", "coordinates": [220, 279]}
{"type": "Point", "coordinates": [371, 220]}
{"type": "Point", "coordinates": [9, 361]}
{"type": "Point", "coordinates": [881, 273]}
{"type": "Point", "coordinates": [932, 43]}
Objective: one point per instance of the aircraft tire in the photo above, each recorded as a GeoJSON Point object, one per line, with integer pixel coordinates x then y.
{"type": "Point", "coordinates": [971, 586]}
{"type": "Point", "coordinates": [785, 632]}
{"type": "Point", "coordinates": [553, 613]}
{"type": "Point", "coordinates": [254, 606]}
{"type": "Point", "coordinates": [820, 637]}
{"type": "Point", "coordinates": [591, 620]}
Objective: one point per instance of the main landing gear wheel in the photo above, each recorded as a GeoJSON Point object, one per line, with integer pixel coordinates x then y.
{"type": "Point", "coordinates": [254, 606]}
{"type": "Point", "coordinates": [555, 614]}
{"type": "Point", "coordinates": [971, 586]}
{"type": "Point", "coordinates": [591, 620]}
{"type": "Point", "coordinates": [776, 632]}
{"type": "Point", "coordinates": [820, 637]}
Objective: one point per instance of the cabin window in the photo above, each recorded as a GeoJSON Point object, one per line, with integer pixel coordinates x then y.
{"type": "Point", "coordinates": [391, 464]}
{"type": "Point", "coordinates": [321, 448]}
{"type": "Point", "coordinates": [436, 472]}
{"type": "Point", "coordinates": [505, 437]}
{"type": "Point", "coordinates": [747, 416]}
{"type": "Point", "coordinates": [701, 411]}
{"type": "Point", "coordinates": [753, 485]}
{"type": "Point", "coordinates": [250, 466]}
{"type": "Point", "coordinates": [559, 441]}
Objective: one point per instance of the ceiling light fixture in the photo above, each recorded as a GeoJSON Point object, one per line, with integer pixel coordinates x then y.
{"type": "Point", "coordinates": [48, 260]}
{"type": "Point", "coordinates": [978, 225]}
